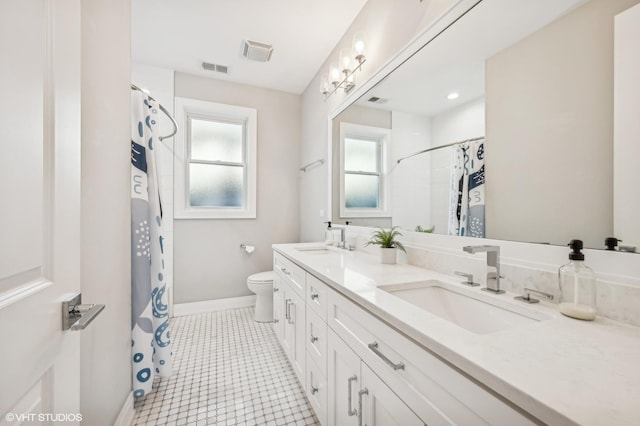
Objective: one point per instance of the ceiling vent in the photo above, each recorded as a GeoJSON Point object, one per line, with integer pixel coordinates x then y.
{"type": "Point", "coordinates": [376, 100]}
{"type": "Point", "coordinates": [257, 51]}
{"type": "Point", "coordinates": [215, 67]}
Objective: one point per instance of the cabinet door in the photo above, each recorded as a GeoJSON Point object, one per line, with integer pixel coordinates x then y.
{"type": "Point", "coordinates": [380, 406]}
{"type": "Point", "coordinates": [343, 382]}
{"type": "Point", "coordinates": [294, 342]}
{"type": "Point", "coordinates": [278, 311]}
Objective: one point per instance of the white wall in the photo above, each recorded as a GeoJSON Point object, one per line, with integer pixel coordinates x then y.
{"type": "Point", "coordinates": [388, 26]}
{"type": "Point", "coordinates": [159, 82]}
{"type": "Point", "coordinates": [463, 122]}
{"type": "Point", "coordinates": [410, 180]}
{"type": "Point", "coordinates": [106, 158]}
{"type": "Point", "coordinates": [209, 263]}
{"type": "Point", "coordinates": [580, 98]}
{"type": "Point", "coordinates": [626, 150]}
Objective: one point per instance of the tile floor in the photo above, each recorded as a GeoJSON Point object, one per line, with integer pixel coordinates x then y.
{"type": "Point", "coordinates": [227, 370]}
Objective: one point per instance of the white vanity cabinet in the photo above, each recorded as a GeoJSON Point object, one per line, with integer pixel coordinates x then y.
{"type": "Point", "coordinates": [290, 312]}
{"type": "Point", "coordinates": [437, 393]}
{"type": "Point", "coordinates": [357, 396]}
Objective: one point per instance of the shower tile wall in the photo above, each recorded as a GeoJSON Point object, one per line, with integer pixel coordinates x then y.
{"type": "Point", "coordinates": [228, 370]}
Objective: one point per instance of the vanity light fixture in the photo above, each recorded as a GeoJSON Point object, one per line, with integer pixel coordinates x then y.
{"type": "Point", "coordinates": [453, 95]}
{"type": "Point", "coordinates": [342, 74]}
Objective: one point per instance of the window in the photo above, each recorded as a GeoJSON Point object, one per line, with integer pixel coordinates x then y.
{"type": "Point", "coordinates": [363, 181]}
{"type": "Point", "coordinates": [215, 160]}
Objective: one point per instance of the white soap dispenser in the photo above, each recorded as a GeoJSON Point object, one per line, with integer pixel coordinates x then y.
{"type": "Point", "coordinates": [328, 234]}
{"type": "Point", "coordinates": [577, 286]}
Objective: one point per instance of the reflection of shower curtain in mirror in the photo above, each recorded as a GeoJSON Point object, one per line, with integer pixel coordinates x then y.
{"type": "Point", "coordinates": [466, 196]}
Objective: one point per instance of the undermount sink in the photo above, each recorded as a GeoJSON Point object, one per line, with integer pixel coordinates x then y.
{"type": "Point", "coordinates": [314, 250]}
{"type": "Point", "coordinates": [477, 313]}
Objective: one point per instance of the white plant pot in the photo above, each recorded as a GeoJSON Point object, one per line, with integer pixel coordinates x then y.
{"type": "Point", "coordinates": [388, 256]}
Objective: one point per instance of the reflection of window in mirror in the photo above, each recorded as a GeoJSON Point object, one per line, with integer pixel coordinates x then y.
{"type": "Point", "coordinates": [363, 177]}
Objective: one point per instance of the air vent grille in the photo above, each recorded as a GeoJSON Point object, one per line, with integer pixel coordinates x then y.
{"type": "Point", "coordinates": [256, 51]}
{"type": "Point", "coordinates": [215, 67]}
{"type": "Point", "coordinates": [376, 100]}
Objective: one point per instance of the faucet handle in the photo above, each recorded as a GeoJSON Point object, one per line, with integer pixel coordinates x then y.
{"type": "Point", "coordinates": [469, 280]}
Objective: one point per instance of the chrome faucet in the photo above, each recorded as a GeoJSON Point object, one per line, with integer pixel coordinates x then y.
{"type": "Point", "coordinates": [493, 266]}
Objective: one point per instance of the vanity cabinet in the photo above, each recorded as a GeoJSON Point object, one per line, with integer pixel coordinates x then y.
{"type": "Point", "coordinates": [436, 392]}
{"type": "Point", "coordinates": [278, 313]}
{"type": "Point", "coordinates": [357, 396]}
{"type": "Point", "coordinates": [294, 331]}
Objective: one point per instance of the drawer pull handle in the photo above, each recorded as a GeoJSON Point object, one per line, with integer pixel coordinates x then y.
{"type": "Point", "coordinates": [314, 338]}
{"type": "Point", "coordinates": [276, 320]}
{"type": "Point", "coordinates": [291, 320]}
{"type": "Point", "coordinates": [314, 390]}
{"type": "Point", "coordinates": [284, 271]}
{"type": "Point", "coordinates": [351, 411]}
{"type": "Point", "coordinates": [364, 391]}
{"type": "Point", "coordinates": [287, 313]}
{"type": "Point", "coordinates": [374, 348]}
{"type": "Point", "coordinates": [314, 296]}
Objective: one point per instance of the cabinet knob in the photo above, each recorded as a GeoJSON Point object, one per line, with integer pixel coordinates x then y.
{"type": "Point", "coordinates": [314, 338]}
{"type": "Point", "coordinates": [314, 296]}
{"type": "Point", "coordinates": [276, 289]}
{"type": "Point", "coordinates": [314, 390]}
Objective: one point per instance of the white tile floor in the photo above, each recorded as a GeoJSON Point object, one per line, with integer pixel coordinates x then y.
{"type": "Point", "coordinates": [227, 370]}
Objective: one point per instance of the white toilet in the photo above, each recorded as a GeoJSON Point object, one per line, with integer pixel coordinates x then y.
{"type": "Point", "coordinates": [262, 285]}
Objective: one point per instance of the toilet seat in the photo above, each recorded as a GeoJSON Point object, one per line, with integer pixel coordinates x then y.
{"type": "Point", "coordinates": [262, 278]}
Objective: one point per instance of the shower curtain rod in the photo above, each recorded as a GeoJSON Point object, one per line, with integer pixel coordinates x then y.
{"type": "Point", "coordinates": [441, 146]}
{"type": "Point", "coordinates": [163, 109]}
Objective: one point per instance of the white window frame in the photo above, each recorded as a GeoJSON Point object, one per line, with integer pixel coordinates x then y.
{"type": "Point", "coordinates": [383, 137]}
{"type": "Point", "coordinates": [186, 109]}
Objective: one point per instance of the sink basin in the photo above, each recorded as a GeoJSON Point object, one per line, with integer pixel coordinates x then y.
{"type": "Point", "coordinates": [315, 250]}
{"type": "Point", "coordinates": [473, 312]}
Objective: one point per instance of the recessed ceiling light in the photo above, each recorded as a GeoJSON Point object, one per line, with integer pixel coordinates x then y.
{"type": "Point", "coordinates": [453, 95]}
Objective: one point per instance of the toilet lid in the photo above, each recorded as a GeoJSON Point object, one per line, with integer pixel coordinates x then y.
{"type": "Point", "coordinates": [262, 277]}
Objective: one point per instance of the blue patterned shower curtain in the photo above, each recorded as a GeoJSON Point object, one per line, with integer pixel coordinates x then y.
{"type": "Point", "coordinates": [150, 344]}
{"type": "Point", "coordinates": [467, 201]}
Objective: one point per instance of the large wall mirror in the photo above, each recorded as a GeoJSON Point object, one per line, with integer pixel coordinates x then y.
{"type": "Point", "coordinates": [544, 93]}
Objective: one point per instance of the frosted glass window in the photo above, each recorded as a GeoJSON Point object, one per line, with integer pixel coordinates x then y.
{"type": "Point", "coordinates": [216, 140]}
{"type": "Point", "coordinates": [361, 155]}
{"type": "Point", "coordinates": [215, 186]}
{"type": "Point", "coordinates": [361, 191]}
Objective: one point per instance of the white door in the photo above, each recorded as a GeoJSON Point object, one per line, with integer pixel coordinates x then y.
{"type": "Point", "coordinates": [343, 382]}
{"type": "Point", "coordinates": [39, 210]}
{"type": "Point", "coordinates": [380, 406]}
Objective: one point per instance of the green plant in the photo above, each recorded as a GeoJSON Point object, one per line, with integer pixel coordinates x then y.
{"type": "Point", "coordinates": [419, 228]}
{"type": "Point", "coordinates": [386, 239]}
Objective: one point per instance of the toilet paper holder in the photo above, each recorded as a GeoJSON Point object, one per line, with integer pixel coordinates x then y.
{"type": "Point", "coordinates": [249, 249]}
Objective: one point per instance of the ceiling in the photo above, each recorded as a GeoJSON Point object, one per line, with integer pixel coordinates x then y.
{"type": "Point", "coordinates": [182, 34]}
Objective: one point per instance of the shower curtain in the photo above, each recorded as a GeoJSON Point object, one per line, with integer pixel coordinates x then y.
{"type": "Point", "coordinates": [466, 201]}
{"type": "Point", "coordinates": [150, 343]}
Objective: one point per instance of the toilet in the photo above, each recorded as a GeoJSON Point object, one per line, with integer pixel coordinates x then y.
{"type": "Point", "coordinates": [262, 285]}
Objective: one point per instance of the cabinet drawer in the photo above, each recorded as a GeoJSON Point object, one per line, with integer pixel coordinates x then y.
{"type": "Point", "coordinates": [294, 275]}
{"type": "Point", "coordinates": [317, 339]}
{"type": "Point", "coordinates": [317, 296]}
{"type": "Point", "coordinates": [435, 391]}
{"type": "Point", "coordinates": [317, 390]}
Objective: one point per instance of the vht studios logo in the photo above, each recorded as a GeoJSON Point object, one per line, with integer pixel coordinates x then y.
{"type": "Point", "coordinates": [43, 417]}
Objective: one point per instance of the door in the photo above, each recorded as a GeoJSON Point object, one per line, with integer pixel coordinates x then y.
{"type": "Point", "coordinates": [343, 382]}
{"type": "Point", "coordinates": [380, 406]}
{"type": "Point", "coordinates": [40, 210]}
{"type": "Point", "coordinates": [278, 318]}
{"type": "Point", "coordinates": [293, 342]}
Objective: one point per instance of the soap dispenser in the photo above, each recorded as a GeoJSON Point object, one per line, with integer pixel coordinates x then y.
{"type": "Point", "coordinates": [328, 234]}
{"type": "Point", "coordinates": [577, 286]}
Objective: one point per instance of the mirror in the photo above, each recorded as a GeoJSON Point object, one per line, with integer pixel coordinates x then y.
{"type": "Point", "coordinates": [534, 82]}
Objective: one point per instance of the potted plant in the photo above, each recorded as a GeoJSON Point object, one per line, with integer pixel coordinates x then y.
{"type": "Point", "coordinates": [388, 244]}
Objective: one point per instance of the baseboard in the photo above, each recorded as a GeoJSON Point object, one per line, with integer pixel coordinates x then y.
{"type": "Point", "coordinates": [125, 417]}
{"type": "Point", "coordinates": [182, 309]}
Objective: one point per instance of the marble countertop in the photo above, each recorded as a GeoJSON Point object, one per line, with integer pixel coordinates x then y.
{"type": "Point", "coordinates": [561, 370]}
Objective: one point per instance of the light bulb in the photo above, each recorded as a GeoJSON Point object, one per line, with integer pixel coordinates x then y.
{"type": "Point", "coordinates": [358, 47]}
{"type": "Point", "coordinates": [334, 74]}
{"type": "Point", "coordinates": [345, 62]}
{"type": "Point", "coordinates": [324, 84]}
